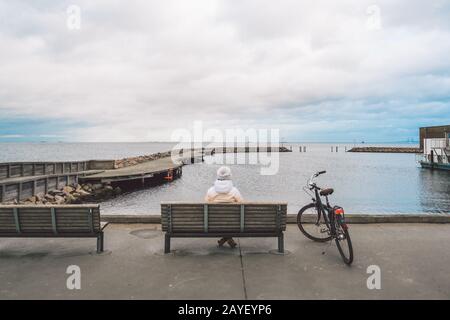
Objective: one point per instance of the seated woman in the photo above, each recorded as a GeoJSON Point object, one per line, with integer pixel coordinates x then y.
{"type": "Point", "coordinates": [223, 191]}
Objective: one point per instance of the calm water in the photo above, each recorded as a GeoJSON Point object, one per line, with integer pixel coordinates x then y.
{"type": "Point", "coordinates": [76, 151]}
{"type": "Point", "coordinates": [363, 182]}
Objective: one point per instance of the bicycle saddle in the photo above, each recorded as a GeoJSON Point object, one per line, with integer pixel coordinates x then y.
{"type": "Point", "coordinates": [326, 192]}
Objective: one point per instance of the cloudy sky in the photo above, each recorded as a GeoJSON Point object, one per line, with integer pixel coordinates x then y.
{"type": "Point", "coordinates": [137, 70]}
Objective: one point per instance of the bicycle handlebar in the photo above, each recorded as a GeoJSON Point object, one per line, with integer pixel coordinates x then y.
{"type": "Point", "coordinates": [310, 183]}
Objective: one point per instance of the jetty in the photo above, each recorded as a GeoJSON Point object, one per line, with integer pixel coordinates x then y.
{"type": "Point", "coordinates": [141, 171]}
{"type": "Point", "coordinates": [21, 180]}
{"type": "Point", "coordinates": [385, 149]}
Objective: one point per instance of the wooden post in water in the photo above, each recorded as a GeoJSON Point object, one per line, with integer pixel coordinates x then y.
{"type": "Point", "coordinates": [337, 149]}
{"type": "Point", "coordinates": [304, 148]}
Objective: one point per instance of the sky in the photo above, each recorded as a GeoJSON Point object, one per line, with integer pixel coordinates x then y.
{"type": "Point", "coordinates": [108, 70]}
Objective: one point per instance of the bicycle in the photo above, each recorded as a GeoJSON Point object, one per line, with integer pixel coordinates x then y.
{"type": "Point", "coordinates": [322, 222]}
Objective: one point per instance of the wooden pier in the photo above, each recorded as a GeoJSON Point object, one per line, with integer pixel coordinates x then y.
{"type": "Point", "coordinates": [21, 180]}
{"type": "Point", "coordinates": [141, 172]}
{"type": "Point", "coordinates": [385, 149]}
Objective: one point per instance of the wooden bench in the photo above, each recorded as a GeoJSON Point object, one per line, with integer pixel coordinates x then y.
{"type": "Point", "coordinates": [55, 221]}
{"type": "Point", "coordinates": [216, 220]}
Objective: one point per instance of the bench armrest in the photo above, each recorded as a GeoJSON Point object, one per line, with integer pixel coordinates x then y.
{"type": "Point", "coordinates": [103, 225]}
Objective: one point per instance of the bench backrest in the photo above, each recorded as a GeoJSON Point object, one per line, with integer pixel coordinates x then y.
{"type": "Point", "coordinates": [43, 219]}
{"type": "Point", "coordinates": [250, 217]}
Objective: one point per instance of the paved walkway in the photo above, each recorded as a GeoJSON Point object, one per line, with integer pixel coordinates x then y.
{"type": "Point", "coordinates": [414, 261]}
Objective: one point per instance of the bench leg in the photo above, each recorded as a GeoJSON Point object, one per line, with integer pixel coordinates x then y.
{"type": "Point", "coordinates": [100, 239]}
{"type": "Point", "coordinates": [166, 243]}
{"type": "Point", "coordinates": [281, 243]}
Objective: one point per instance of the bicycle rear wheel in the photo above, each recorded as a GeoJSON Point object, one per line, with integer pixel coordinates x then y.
{"type": "Point", "coordinates": [312, 223]}
{"type": "Point", "coordinates": [344, 243]}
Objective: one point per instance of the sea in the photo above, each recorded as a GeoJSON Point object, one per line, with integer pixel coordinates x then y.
{"type": "Point", "coordinates": [363, 183]}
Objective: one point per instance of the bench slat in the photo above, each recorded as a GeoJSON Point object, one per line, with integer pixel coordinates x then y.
{"type": "Point", "coordinates": [241, 217]}
{"type": "Point", "coordinates": [53, 219]}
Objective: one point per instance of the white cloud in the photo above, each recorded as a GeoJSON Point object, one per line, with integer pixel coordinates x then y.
{"type": "Point", "coordinates": [136, 70]}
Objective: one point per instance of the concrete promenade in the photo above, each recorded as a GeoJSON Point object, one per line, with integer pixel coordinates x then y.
{"type": "Point", "coordinates": [414, 260]}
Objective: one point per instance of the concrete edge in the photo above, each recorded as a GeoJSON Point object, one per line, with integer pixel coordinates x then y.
{"type": "Point", "coordinates": [292, 218]}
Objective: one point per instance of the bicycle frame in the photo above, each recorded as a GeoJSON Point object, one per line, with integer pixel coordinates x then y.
{"type": "Point", "coordinates": [320, 207]}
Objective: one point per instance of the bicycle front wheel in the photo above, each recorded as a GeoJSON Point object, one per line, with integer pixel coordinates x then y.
{"type": "Point", "coordinates": [312, 223]}
{"type": "Point", "coordinates": [344, 243]}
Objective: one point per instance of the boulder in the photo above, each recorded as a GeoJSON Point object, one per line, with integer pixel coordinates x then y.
{"type": "Point", "coordinates": [56, 192]}
{"type": "Point", "coordinates": [83, 193]}
{"type": "Point", "coordinates": [59, 199]}
{"type": "Point", "coordinates": [68, 189]}
{"type": "Point", "coordinates": [70, 199]}
{"type": "Point", "coordinates": [97, 186]}
{"type": "Point", "coordinates": [49, 197]}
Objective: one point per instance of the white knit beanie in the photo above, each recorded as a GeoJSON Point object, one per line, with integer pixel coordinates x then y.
{"type": "Point", "coordinates": [224, 173]}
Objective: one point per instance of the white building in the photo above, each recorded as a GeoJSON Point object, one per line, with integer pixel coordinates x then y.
{"type": "Point", "coordinates": [435, 143]}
